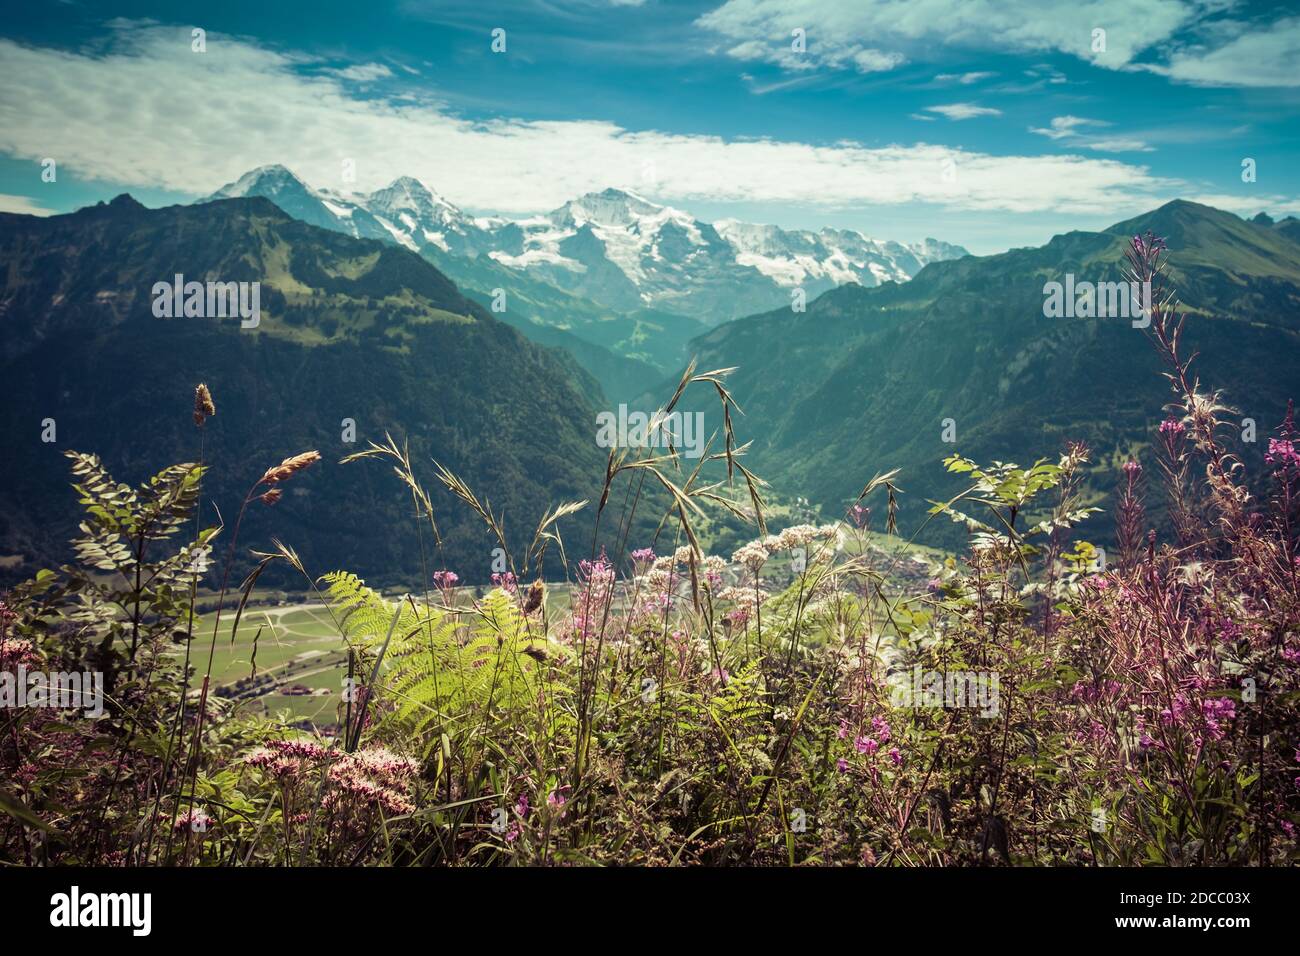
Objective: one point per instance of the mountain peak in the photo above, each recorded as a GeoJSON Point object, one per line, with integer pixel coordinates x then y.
{"type": "Point", "coordinates": [613, 200]}
{"type": "Point", "coordinates": [272, 178]}
{"type": "Point", "coordinates": [407, 192]}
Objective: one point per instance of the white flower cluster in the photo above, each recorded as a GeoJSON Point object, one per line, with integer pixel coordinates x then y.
{"type": "Point", "coordinates": [755, 554]}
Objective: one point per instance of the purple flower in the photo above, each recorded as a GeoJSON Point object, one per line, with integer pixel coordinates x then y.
{"type": "Point", "coordinates": [896, 756]}
{"type": "Point", "coordinates": [841, 765]}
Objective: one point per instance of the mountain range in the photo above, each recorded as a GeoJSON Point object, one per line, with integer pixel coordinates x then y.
{"type": "Point", "coordinates": [866, 379]}
{"type": "Point", "coordinates": [635, 279]}
{"type": "Point", "coordinates": [364, 329]}
{"type": "Point", "coordinates": [613, 247]}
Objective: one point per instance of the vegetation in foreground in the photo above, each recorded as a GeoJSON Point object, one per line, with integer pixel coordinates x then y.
{"type": "Point", "coordinates": [686, 708]}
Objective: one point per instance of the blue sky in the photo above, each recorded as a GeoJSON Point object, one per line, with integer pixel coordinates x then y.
{"type": "Point", "coordinates": [988, 124]}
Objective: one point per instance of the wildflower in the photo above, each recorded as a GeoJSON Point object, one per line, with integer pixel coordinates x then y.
{"type": "Point", "coordinates": [521, 805]}
{"type": "Point", "coordinates": [843, 732]}
{"type": "Point", "coordinates": [445, 580]}
{"type": "Point", "coordinates": [753, 556]}
{"type": "Point", "coordinates": [841, 765]}
{"type": "Point", "coordinates": [203, 407]}
{"type": "Point", "coordinates": [1132, 468]}
{"type": "Point", "coordinates": [15, 653]}
{"type": "Point", "coordinates": [740, 616]}
{"type": "Point", "coordinates": [896, 755]}
{"type": "Point", "coordinates": [643, 555]}
{"type": "Point", "coordinates": [1282, 454]}
{"type": "Point", "coordinates": [865, 745]}
{"type": "Point", "coordinates": [558, 797]}
{"type": "Point", "coordinates": [505, 581]}
{"type": "Point", "coordinates": [881, 727]}
{"type": "Point", "coordinates": [193, 819]}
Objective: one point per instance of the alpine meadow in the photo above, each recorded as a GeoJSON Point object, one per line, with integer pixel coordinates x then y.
{"type": "Point", "coordinates": [650, 434]}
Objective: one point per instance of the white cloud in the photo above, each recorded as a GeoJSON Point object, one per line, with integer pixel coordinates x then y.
{"type": "Point", "coordinates": [1064, 126]}
{"type": "Point", "coordinates": [816, 54]}
{"type": "Point", "coordinates": [22, 204]}
{"type": "Point", "coordinates": [1265, 57]}
{"type": "Point", "coordinates": [963, 111]}
{"type": "Point", "coordinates": [148, 112]}
{"type": "Point", "coordinates": [965, 79]}
{"type": "Point", "coordinates": [1234, 54]}
{"type": "Point", "coordinates": [1247, 206]}
{"type": "Point", "coordinates": [1068, 129]}
{"type": "Point", "coordinates": [363, 72]}
{"type": "Point", "coordinates": [1017, 25]}
{"type": "Point", "coordinates": [876, 61]}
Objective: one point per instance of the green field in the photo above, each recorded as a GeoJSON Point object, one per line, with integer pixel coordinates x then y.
{"type": "Point", "coordinates": [293, 645]}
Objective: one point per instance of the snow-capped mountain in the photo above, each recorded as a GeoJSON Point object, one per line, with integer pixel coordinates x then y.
{"type": "Point", "coordinates": [819, 260]}
{"type": "Point", "coordinates": [613, 247]}
{"type": "Point", "coordinates": [406, 211]}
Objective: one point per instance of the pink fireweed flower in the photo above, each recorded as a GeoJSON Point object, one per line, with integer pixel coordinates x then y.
{"type": "Point", "coordinates": [881, 727]}
{"type": "Point", "coordinates": [865, 745]}
{"type": "Point", "coordinates": [843, 732]}
{"type": "Point", "coordinates": [896, 755]}
{"type": "Point", "coordinates": [505, 581]}
{"type": "Point", "coordinates": [1282, 454]}
{"type": "Point", "coordinates": [841, 765]}
{"type": "Point", "coordinates": [558, 797]}
{"type": "Point", "coordinates": [643, 555]}
{"type": "Point", "coordinates": [444, 580]}
{"type": "Point", "coordinates": [521, 805]}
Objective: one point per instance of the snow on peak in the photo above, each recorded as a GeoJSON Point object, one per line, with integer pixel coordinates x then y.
{"type": "Point", "coordinates": [263, 181]}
